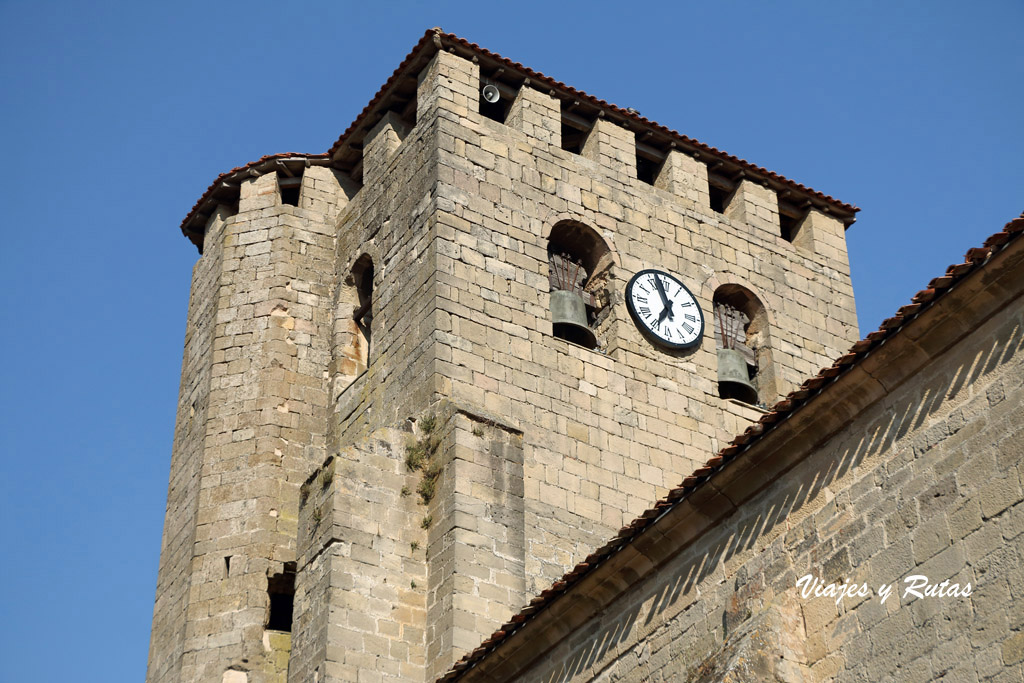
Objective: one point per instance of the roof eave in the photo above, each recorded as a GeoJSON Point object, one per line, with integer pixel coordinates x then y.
{"type": "Point", "coordinates": [348, 147]}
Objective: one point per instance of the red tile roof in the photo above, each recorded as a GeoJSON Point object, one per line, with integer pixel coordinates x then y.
{"type": "Point", "coordinates": [435, 39]}
{"type": "Point", "coordinates": [974, 260]}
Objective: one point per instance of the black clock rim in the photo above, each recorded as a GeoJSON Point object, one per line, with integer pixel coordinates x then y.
{"type": "Point", "coordinates": [646, 331]}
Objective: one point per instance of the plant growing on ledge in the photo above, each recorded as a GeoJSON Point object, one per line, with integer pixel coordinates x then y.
{"type": "Point", "coordinates": [428, 484]}
{"type": "Point", "coordinates": [419, 456]}
{"type": "Point", "coordinates": [326, 477]}
{"type": "Point", "coordinates": [419, 452]}
{"type": "Point", "coordinates": [428, 423]}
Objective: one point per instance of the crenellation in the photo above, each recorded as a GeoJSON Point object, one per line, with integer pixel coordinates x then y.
{"type": "Point", "coordinates": [755, 205]}
{"type": "Point", "coordinates": [449, 86]}
{"type": "Point", "coordinates": [537, 115]}
{"type": "Point", "coordinates": [381, 144]}
{"type": "Point", "coordinates": [613, 147]}
{"type": "Point", "coordinates": [686, 178]}
{"type": "Point", "coordinates": [259, 192]}
{"type": "Point", "coordinates": [823, 234]}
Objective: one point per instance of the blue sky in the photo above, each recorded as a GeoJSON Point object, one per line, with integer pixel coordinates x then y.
{"type": "Point", "coordinates": [118, 115]}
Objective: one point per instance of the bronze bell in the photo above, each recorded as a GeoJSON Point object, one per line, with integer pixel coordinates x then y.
{"type": "Point", "coordinates": [733, 377]}
{"type": "Point", "coordinates": [569, 318]}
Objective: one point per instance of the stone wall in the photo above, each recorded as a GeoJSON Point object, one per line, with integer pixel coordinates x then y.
{"type": "Point", "coordinates": [251, 426]}
{"type": "Point", "coordinates": [390, 222]}
{"type": "Point", "coordinates": [925, 481]}
{"type": "Point", "coordinates": [454, 211]}
{"type": "Point", "coordinates": [476, 550]}
{"type": "Point", "coordinates": [360, 604]}
{"type": "Point", "coordinates": [605, 431]}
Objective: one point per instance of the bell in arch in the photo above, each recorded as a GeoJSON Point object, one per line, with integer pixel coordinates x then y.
{"type": "Point", "coordinates": [730, 335]}
{"type": "Point", "coordinates": [569, 318]}
{"type": "Point", "coordinates": [733, 377]}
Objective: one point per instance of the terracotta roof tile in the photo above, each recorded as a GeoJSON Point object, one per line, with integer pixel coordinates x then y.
{"type": "Point", "coordinates": [909, 310]}
{"type": "Point", "coordinates": [997, 239]}
{"type": "Point", "coordinates": [924, 296]}
{"type": "Point", "coordinates": [423, 42]}
{"type": "Point", "coordinates": [783, 408]}
{"type": "Point", "coordinates": [862, 345]}
{"type": "Point", "coordinates": [976, 254]}
{"type": "Point", "coordinates": [893, 322]}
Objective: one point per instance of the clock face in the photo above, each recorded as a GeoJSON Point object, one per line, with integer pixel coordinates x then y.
{"type": "Point", "coordinates": [664, 309]}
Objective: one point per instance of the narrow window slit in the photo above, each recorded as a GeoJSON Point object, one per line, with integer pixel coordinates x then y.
{"type": "Point", "coordinates": [291, 187]}
{"type": "Point", "coordinates": [719, 198]}
{"type": "Point", "coordinates": [572, 138]}
{"type": "Point", "coordinates": [647, 170]}
{"type": "Point", "coordinates": [281, 590]}
{"type": "Point", "coordinates": [363, 316]}
{"type": "Point", "coordinates": [788, 225]}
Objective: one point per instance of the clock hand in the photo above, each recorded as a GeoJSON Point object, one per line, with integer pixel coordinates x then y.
{"type": "Point", "coordinates": [664, 299]}
{"type": "Point", "coordinates": [661, 290]}
{"type": "Point", "coordinates": [665, 313]}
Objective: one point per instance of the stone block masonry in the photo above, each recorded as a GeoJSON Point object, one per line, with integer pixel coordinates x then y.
{"type": "Point", "coordinates": [909, 466]}
{"type": "Point", "coordinates": [459, 224]}
{"type": "Point", "coordinates": [604, 432]}
{"type": "Point", "coordinates": [415, 283]}
{"type": "Point", "coordinates": [360, 604]}
{"type": "Point", "coordinates": [249, 426]}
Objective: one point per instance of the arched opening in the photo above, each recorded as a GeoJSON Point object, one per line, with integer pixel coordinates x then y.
{"type": "Point", "coordinates": [362, 276]}
{"type": "Point", "coordinates": [579, 270]}
{"type": "Point", "coordinates": [745, 370]}
{"type": "Point", "coordinates": [353, 324]}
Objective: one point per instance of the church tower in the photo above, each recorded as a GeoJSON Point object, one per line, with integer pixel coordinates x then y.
{"type": "Point", "coordinates": [430, 370]}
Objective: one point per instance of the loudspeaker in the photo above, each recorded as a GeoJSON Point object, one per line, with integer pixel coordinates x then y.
{"type": "Point", "coordinates": [491, 93]}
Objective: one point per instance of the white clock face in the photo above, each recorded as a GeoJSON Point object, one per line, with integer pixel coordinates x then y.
{"type": "Point", "coordinates": [664, 309]}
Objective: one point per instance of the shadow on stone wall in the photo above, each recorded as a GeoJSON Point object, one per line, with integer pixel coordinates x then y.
{"type": "Point", "coordinates": [691, 614]}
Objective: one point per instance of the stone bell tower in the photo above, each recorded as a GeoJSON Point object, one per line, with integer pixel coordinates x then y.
{"type": "Point", "coordinates": [387, 438]}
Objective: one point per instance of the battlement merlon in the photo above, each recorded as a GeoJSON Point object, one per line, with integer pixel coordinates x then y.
{"type": "Point", "coordinates": [655, 145]}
